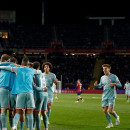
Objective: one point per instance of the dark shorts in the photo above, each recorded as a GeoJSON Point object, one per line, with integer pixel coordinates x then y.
{"type": "Point", "coordinates": [78, 93]}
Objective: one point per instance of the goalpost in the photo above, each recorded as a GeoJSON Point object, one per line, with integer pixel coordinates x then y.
{"type": "Point", "coordinates": [59, 85]}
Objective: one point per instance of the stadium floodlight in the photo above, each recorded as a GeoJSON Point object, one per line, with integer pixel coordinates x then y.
{"type": "Point", "coordinates": [105, 18]}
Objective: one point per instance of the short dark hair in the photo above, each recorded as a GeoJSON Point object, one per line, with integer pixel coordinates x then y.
{"type": "Point", "coordinates": [47, 63]}
{"type": "Point", "coordinates": [127, 80]}
{"type": "Point", "coordinates": [4, 57]}
{"type": "Point", "coordinates": [106, 65]}
{"type": "Point", "coordinates": [25, 61]}
{"type": "Point", "coordinates": [13, 59]}
{"type": "Point", "coordinates": [36, 64]}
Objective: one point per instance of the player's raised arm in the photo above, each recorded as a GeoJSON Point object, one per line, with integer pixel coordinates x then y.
{"type": "Point", "coordinates": [5, 63]}
{"type": "Point", "coordinates": [98, 85]}
{"type": "Point", "coordinates": [8, 68]}
{"type": "Point", "coordinates": [17, 65]}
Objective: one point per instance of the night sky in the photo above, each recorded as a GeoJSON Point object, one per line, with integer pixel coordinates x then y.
{"type": "Point", "coordinates": [63, 11]}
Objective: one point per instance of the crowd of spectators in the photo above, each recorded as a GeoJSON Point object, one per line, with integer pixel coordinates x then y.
{"type": "Point", "coordinates": [69, 68]}
{"type": "Point", "coordinates": [85, 36]}
{"type": "Point", "coordinates": [80, 35]}
{"type": "Point", "coordinates": [120, 35]}
{"type": "Point", "coordinates": [30, 36]}
{"type": "Point", "coordinates": [41, 36]}
{"type": "Point", "coordinates": [72, 67]}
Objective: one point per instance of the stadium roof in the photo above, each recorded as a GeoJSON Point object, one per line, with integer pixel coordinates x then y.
{"type": "Point", "coordinates": [64, 11]}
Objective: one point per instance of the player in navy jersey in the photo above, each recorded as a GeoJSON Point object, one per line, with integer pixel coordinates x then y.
{"type": "Point", "coordinates": [109, 81]}
{"type": "Point", "coordinates": [79, 90]}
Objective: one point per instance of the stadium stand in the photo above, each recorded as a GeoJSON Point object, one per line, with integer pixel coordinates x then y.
{"type": "Point", "coordinates": [73, 36]}
{"type": "Point", "coordinates": [30, 36]}
{"type": "Point", "coordinates": [120, 35]}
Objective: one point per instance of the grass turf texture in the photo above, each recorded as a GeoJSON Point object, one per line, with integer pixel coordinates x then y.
{"type": "Point", "coordinates": [68, 115]}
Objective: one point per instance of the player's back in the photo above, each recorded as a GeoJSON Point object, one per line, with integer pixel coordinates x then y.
{"type": "Point", "coordinates": [24, 79]}
{"type": "Point", "coordinates": [40, 82]}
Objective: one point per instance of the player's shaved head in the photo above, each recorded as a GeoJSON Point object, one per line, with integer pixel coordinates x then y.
{"type": "Point", "coordinates": [5, 57]}
{"type": "Point", "coordinates": [25, 61]}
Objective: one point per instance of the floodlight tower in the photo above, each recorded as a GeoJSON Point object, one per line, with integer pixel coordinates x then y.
{"type": "Point", "coordinates": [100, 19]}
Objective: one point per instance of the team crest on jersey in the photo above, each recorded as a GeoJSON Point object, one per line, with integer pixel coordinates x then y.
{"type": "Point", "coordinates": [50, 77]}
{"type": "Point", "coordinates": [109, 79]}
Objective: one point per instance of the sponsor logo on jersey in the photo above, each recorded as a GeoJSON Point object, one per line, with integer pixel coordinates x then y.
{"type": "Point", "coordinates": [109, 79]}
{"type": "Point", "coordinates": [50, 77]}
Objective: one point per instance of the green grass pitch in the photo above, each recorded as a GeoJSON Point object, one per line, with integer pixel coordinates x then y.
{"type": "Point", "coordinates": [68, 115]}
